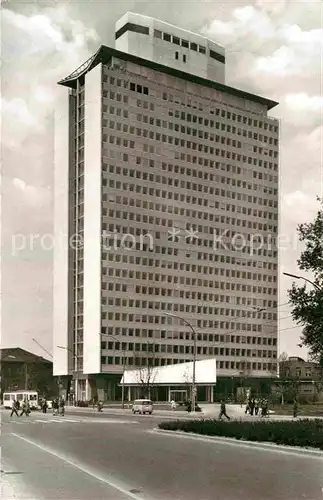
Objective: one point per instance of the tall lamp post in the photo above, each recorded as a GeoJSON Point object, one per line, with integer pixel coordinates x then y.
{"type": "Point", "coordinates": [194, 355]}
{"type": "Point", "coordinates": [295, 276]}
{"type": "Point", "coordinates": [123, 365]}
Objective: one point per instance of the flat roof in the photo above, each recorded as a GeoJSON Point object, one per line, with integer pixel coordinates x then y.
{"type": "Point", "coordinates": [177, 374]}
{"type": "Point", "coordinates": [104, 55]}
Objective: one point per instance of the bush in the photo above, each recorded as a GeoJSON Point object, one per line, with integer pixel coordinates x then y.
{"type": "Point", "coordinates": [304, 433]}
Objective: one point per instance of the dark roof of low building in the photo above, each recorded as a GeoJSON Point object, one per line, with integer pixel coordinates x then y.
{"type": "Point", "coordinates": [18, 355]}
{"type": "Point", "coordinates": [104, 55]}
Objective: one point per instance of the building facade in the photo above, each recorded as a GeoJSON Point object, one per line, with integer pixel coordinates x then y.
{"type": "Point", "coordinates": [166, 202]}
{"type": "Point", "coordinates": [23, 370]}
{"type": "Point", "coordinates": [299, 379]}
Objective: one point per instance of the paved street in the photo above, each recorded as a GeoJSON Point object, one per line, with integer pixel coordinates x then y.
{"type": "Point", "coordinates": [118, 457]}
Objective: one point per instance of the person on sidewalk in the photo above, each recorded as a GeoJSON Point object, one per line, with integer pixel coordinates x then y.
{"type": "Point", "coordinates": [256, 407]}
{"type": "Point", "coordinates": [173, 405]}
{"type": "Point", "coordinates": [25, 408]}
{"type": "Point", "coordinates": [252, 406]}
{"type": "Point", "coordinates": [55, 406]}
{"type": "Point", "coordinates": [295, 408]}
{"type": "Point", "coordinates": [14, 408]}
{"type": "Point", "coordinates": [100, 406]}
{"type": "Point", "coordinates": [264, 409]}
{"type": "Point", "coordinates": [223, 411]}
{"type": "Point", "coordinates": [62, 406]}
{"type": "Point", "coordinates": [44, 405]}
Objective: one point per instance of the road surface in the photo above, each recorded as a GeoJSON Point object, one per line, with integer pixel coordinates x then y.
{"type": "Point", "coordinates": [118, 457]}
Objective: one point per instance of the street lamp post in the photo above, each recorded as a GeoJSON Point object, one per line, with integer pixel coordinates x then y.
{"type": "Point", "coordinates": [305, 279]}
{"type": "Point", "coordinates": [124, 359]}
{"type": "Point", "coordinates": [194, 355]}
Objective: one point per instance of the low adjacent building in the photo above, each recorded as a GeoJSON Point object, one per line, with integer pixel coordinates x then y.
{"type": "Point", "coordinates": [23, 370]}
{"type": "Point", "coordinates": [171, 382]}
{"type": "Point", "coordinates": [299, 378]}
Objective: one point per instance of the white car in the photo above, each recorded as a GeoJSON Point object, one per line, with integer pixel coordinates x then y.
{"type": "Point", "coordinates": [142, 406]}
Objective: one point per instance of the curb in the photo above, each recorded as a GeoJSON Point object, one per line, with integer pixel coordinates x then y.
{"type": "Point", "coordinates": [239, 442]}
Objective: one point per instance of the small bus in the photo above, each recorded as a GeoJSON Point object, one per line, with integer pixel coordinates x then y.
{"type": "Point", "coordinates": [31, 396]}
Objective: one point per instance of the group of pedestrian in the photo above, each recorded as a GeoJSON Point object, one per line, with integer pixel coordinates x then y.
{"type": "Point", "coordinates": [257, 407]}
{"type": "Point", "coordinates": [25, 408]}
{"type": "Point", "coordinates": [58, 405]}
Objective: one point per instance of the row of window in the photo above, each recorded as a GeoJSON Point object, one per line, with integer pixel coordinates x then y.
{"type": "Point", "coordinates": [194, 132]}
{"type": "Point", "coordinates": [162, 320]}
{"type": "Point", "coordinates": [168, 292]}
{"type": "Point", "coordinates": [168, 334]}
{"type": "Point", "coordinates": [188, 308]}
{"type": "Point", "coordinates": [227, 365]}
{"type": "Point", "coordinates": [205, 337]}
{"type": "Point", "coordinates": [199, 173]}
{"type": "Point", "coordinates": [176, 154]}
{"type": "Point", "coordinates": [188, 266]}
{"type": "Point", "coordinates": [186, 99]}
{"type": "Point", "coordinates": [188, 349]}
{"type": "Point", "coordinates": [149, 219]}
{"type": "Point", "coordinates": [153, 276]}
{"type": "Point", "coordinates": [192, 118]}
{"type": "Point", "coordinates": [182, 183]}
{"type": "Point", "coordinates": [190, 200]}
{"type": "Point", "coordinates": [153, 121]}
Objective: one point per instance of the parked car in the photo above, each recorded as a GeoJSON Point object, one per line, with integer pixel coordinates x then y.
{"type": "Point", "coordinates": [142, 406]}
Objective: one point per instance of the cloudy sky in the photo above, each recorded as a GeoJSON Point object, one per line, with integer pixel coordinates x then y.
{"type": "Point", "coordinates": [274, 48]}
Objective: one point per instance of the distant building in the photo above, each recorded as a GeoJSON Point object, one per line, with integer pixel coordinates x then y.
{"type": "Point", "coordinates": [300, 378]}
{"type": "Point", "coordinates": [23, 370]}
{"type": "Point", "coordinates": [166, 200]}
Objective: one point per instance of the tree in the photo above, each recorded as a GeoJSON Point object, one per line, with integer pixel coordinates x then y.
{"type": "Point", "coordinates": [307, 304]}
{"type": "Point", "coordinates": [146, 374]}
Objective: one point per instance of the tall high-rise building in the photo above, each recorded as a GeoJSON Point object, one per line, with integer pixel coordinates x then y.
{"type": "Point", "coordinates": [166, 202]}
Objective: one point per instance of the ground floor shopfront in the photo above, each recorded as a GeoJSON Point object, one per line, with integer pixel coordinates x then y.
{"type": "Point", "coordinates": [108, 387]}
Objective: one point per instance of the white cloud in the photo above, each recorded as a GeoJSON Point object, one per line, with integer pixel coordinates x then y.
{"type": "Point", "coordinates": [50, 30]}
{"type": "Point", "coordinates": [17, 110]}
{"type": "Point", "coordinates": [303, 102]}
{"type": "Point", "coordinates": [280, 63]}
{"type": "Point", "coordinates": [33, 195]}
{"type": "Point", "coordinates": [281, 46]}
{"type": "Point", "coordinates": [43, 48]}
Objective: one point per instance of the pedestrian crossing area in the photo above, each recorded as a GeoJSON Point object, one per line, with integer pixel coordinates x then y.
{"type": "Point", "coordinates": [65, 420]}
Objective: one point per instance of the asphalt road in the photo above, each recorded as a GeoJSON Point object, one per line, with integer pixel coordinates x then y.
{"type": "Point", "coordinates": [115, 457]}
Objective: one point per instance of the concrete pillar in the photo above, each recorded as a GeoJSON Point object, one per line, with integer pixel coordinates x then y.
{"type": "Point", "coordinates": [87, 390]}
{"type": "Point", "coordinates": [101, 396]}
{"type": "Point", "coordinates": [212, 394]}
{"type": "Point", "coordinates": [169, 396]}
{"type": "Point", "coordinates": [129, 393]}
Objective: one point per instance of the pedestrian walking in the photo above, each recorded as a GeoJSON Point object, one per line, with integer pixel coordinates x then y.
{"type": "Point", "coordinates": [173, 405]}
{"type": "Point", "coordinates": [100, 406]}
{"type": "Point", "coordinates": [62, 406]}
{"type": "Point", "coordinates": [223, 411]}
{"type": "Point", "coordinates": [189, 406]}
{"type": "Point", "coordinates": [44, 405]}
{"type": "Point", "coordinates": [256, 407]}
{"type": "Point", "coordinates": [252, 406]}
{"type": "Point", "coordinates": [264, 408]}
{"type": "Point", "coordinates": [25, 408]}
{"type": "Point", "coordinates": [295, 408]}
{"type": "Point", "coordinates": [15, 408]}
{"type": "Point", "coordinates": [55, 406]}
